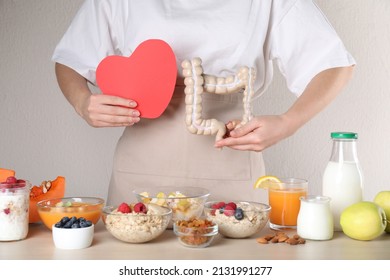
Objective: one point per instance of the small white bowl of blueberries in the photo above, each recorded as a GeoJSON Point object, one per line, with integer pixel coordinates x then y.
{"type": "Point", "coordinates": [73, 233]}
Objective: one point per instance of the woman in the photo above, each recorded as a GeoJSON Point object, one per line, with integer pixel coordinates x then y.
{"type": "Point", "coordinates": [225, 34]}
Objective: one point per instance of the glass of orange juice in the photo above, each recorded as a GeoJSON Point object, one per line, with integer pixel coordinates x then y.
{"type": "Point", "coordinates": [284, 200]}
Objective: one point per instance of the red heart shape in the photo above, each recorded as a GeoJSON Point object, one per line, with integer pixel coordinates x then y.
{"type": "Point", "coordinates": [148, 76]}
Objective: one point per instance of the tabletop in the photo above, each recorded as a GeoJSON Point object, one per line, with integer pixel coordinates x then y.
{"type": "Point", "coordinates": [39, 246]}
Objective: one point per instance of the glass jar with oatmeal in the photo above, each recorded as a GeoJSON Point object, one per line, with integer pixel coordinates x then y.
{"type": "Point", "coordinates": [14, 205]}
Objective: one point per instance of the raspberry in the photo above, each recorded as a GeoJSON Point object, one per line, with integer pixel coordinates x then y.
{"type": "Point", "coordinates": [7, 211]}
{"type": "Point", "coordinates": [229, 210]}
{"type": "Point", "coordinates": [140, 208]}
{"type": "Point", "coordinates": [233, 205]}
{"type": "Point", "coordinates": [220, 205]}
{"type": "Point", "coordinates": [11, 180]}
{"type": "Point", "coordinates": [124, 208]}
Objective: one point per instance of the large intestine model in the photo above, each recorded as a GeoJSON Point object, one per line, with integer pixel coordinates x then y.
{"type": "Point", "coordinates": [196, 83]}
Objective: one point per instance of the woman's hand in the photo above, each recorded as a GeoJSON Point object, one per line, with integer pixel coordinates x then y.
{"type": "Point", "coordinates": [258, 134]}
{"type": "Point", "coordinates": [264, 131]}
{"type": "Point", "coordinates": [100, 110]}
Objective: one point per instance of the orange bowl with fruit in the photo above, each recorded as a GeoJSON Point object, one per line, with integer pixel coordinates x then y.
{"type": "Point", "coordinates": [53, 210]}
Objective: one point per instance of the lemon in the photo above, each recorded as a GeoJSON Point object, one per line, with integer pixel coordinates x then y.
{"type": "Point", "coordinates": [265, 182]}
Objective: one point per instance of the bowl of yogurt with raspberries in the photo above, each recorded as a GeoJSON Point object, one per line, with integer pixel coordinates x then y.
{"type": "Point", "coordinates": [136, 222]}
{"type": "Point", "coordinates": [237, 219]}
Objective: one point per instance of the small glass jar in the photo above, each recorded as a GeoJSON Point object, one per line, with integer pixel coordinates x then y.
{"type": "Point", "coordinates": [14, 207]}
{"type": "Point", "coordinates": [315, 219]}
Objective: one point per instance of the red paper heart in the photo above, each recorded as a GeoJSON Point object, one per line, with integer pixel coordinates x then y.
{"type": "Point", "coordinates": [148, 76]}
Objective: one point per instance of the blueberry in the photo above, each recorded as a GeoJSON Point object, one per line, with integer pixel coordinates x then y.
{"type": "Point", "coordinates": [81, 219]}
{"type": "Point", "coordinates": [221, 210]}
{"type": "Point", "coordinates": [64, 220]}
{"type": "Point", "coordinates": [73, 219]}
{"type": "Point", "coordinates": [68, 225]}
{"type": "Point", "coordinates": [76, 225]}
{"type": "Point", "coordinates": [85, 223]}
{"type": "Point", "coordinates": [239, 214]}
{"type": "Point", "coordinates": [58, 225]}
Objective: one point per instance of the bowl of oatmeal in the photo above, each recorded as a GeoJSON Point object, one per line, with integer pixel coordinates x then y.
{"type": "Point", "coordinates": [185, 202]}
{"type": "Point", "coordinates": [237, 219]}
{"type": "Point", "coordinates": [136, 223]}
{"type": "Point", "coordinates": [196, 232]}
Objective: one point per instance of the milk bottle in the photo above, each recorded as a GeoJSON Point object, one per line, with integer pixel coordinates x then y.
{"type": "Point", "coordinates": [342, 179]}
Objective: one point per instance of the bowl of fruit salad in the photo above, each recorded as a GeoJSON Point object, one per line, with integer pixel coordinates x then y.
{"type": "Point", "coordinates": [53, 210]}
{"type": "Point", "coordinates": [136, 222]}
{"type": "Point", "coordinates": [73, 233]}
{"type": "Point", "coordinates": [237, 219]}
{"type": "Point", "coordinates": [185, 202]}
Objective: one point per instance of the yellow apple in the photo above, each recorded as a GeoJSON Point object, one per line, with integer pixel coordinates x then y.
{"type": "Point", "coordinates": [383, 200]}
{"type": "Point", "coordinates": [363, 220]}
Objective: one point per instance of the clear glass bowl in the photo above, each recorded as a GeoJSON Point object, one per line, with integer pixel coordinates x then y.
{"type": "Point", "coordinates": [195, 237]}
{"type": "Point", "coordinates": [252, 219]}
{"type": "Point", "coordinates": [185, 202]}
{"type": "Point", "coordinates": [136, 228]}
{"type": "Point", "coordinates": [52, 211]}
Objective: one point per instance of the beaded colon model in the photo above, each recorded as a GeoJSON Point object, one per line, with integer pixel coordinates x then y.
{"type": "Point", "coordinates": [196, 83]}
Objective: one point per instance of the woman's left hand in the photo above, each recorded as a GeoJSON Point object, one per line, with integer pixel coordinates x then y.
{"type": "Point", "coordinates": [258, 134]}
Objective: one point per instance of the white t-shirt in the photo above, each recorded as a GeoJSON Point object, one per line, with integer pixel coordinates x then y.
{"type": "Point", "coordinates": [226, 34]}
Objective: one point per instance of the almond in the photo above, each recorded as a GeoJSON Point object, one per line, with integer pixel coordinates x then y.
{"type": "Point", "coordinates": [262, 240]}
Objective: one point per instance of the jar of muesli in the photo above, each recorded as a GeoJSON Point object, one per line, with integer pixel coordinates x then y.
{"type": "Point", "coordinates": [14, 205]}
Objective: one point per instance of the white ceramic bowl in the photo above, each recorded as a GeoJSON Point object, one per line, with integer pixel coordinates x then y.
{"type": "Point", "coordinates": [73, 238]}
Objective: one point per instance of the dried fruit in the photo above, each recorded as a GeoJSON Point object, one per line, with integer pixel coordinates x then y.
{"type": "Point", "coordinates": [124, 208]}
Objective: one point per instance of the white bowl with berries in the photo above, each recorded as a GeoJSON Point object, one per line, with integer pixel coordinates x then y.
{"type": "Point", "coordinates": [136, 222]}
{"type": "Point", "coordinates": [73, 233]}
{"type": "Point", "coordinates": [237, 219]}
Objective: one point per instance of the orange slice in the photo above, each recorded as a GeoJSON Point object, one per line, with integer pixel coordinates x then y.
{"type": "Point", "coordinates": [265, 182]}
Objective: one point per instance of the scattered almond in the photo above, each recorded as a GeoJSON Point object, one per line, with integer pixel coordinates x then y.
{"type": "Point", "coordinates": [281, 237]}
{"type": "Point", "coordinates": [262, 240]}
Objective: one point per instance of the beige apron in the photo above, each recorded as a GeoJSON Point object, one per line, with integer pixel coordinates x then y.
{"type": "Point", "coordinates": [162, 152]}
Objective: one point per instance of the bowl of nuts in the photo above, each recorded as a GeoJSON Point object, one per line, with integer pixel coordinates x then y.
{"type": "Point", "coordinates": [196, 232]}
{"type": "Point", "coordinates": [237, 219]}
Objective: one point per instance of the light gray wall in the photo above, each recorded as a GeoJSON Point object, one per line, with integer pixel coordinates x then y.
{"type": "Point", "coordinates": [42, 137]}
